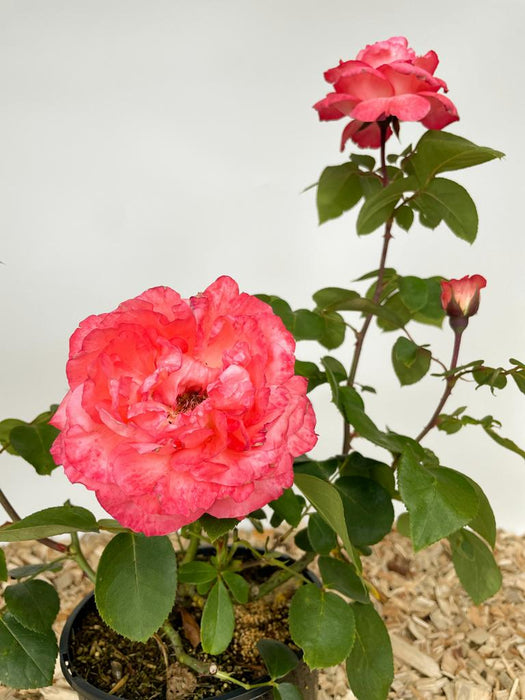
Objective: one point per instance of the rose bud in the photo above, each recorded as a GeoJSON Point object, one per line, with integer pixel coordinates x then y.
{"type": "Point", "coordinates": [461, 297]}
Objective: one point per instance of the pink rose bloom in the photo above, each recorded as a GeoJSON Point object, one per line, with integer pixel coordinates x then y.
{"type": "Point", "coordinates": [461, 297]}
{"type": "Point", "coordinates": [386, 80]}
{"type": "Point", "coordinates": [179, 407]}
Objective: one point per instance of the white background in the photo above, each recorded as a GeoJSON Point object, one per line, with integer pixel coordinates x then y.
{"type": "Point", "coordinates": [149, 142]}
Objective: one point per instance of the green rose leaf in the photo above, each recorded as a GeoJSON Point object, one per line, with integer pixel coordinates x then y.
{"type": "Point", "coordinates": [32, 443]}
{"type": "Point", "coordinates": [218, 620]}
{"type": "Point", "coordinates": [320, 535]}
{"type": "Point", "coordinates": [380, 206]}
{"type": "Point", "coordinates": [357, 465]}
{"type": "Point", "coordinates": [135, 585]}
{"type": "Point", "coordinates": [35, 604]}
{"type": "Point", "coordinates": [432, 312]}
{"type": "Point", "coordinates": [448, 201]}
{"type": "Point", "coordinates": [286, 691]}
{"type": "Point", "coordinates": [411, 362]}
{"type": "Point", "coordinates": [278, 658]}
{"type": "Point", "coordinates": [367, 162]}
{"type": "Point", "coordinates": [438, 499]}
{"type": "Point", "coordinates": [239, 586]}
{"type": "Point", "coordinates": [484, 523]}
{"type": "Point", "coordinates": [3, 566]}
{"type": "Point", "coordinates": [289, 506]}
{"type": "Point", "coordinates": [327, 500]}
{"type": "Point", "coordinates": [335, 299]}
{"type": "Point", "coordinates": [27, 658]}
{"type": "Point", "coordinates": [441, 151]}
{"type": "Point", "coordinates": [48, 522]}
{"type": "Point", "coordinates": [475, 566]}
{"type": "Point", "coordinates": [312, 372]}
{"type": "Point", "coordinates": [322, 624]}
{"type": "Point", "coordinates": [519, 378]}
{"type": "Point", "coordinates": [197, 572]}
{"type": "Point", "coordinates": [369, 513]}
{"type": "Point", "coordinates": [217, 527]}
{"type": "Point", "coordinates": [338, 190]}
{"type": "Point", "coordinates": [413, 292]}
{"type": "Point", "coordinates": [6, 426]}
{"type": "Point", "coordinates": [343, 577]}
{"type": "Point", "coordinates": [280, 307]}
{"type": "Point", "coordinates": [404, 217]}
{"type": "Point", "coordinates": [370, 665]}
{"type": "Point", "coordinates": [334, 329]}
{"type": "Point", "coordinates": [34, 569]}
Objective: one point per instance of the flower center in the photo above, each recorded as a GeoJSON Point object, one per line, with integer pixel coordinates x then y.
{"type": "Point", "coordinates": [188, 400]}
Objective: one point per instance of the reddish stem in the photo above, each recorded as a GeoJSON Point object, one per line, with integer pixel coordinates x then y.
{"type": "Point", "coordinates": [451, 381]}
{"type": "Point", "coordinates": [11, 512]}
{"type": "Point", "coordinates": [360, 335]}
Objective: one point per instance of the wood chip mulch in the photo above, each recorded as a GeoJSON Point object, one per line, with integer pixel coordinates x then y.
{"type": "Point", "coordinates": [444, 645]}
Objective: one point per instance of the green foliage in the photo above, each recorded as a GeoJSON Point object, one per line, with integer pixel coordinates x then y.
{"type": "Point", "coordinates": [490, 376]}
{"type": "Point", "coordinates": [33, 569]}
{"type": "Point", "coordinates": [451, 423]}
{"type": "Point", "coordinates": [34, 604]}
{"type": "Point", "coordinates": [27, 658]}
{"type": "Point", "coordinates": [475, 566]}
{"type": "Point", "coordinates": [327, 501]}
{"type": "Point", "coordinates": [32, 443]}
{"type": "Point", "coordinates": [370, 665]}
{"type": "Point", "coordinates": [48, 522]}
{"type": "Point", "coordinates": [446, 200]}
{"type": "Point", "coordinates": [322, 624]}
{"type": "Point", "coordinates": [286, 691]}
{"type": "Point", "coordinates": [368, 510]}
{"type": "Point", "coordinates": [312, 372]}
{"type": "Point", "coordinates": [239, 587]}
{"type": "Point", "coordinates": [380, 206]}
{"type": "Point", "coordinates": [440, 151]}
{"type": "Point", "coordinates": [217, 527]}
{"type": "Point", "coordinates": [357, 465]}
{"type": "Point", "coordinates": [343, 577]}
{"type": "Point", "coordinates": [197, 572]}
{"type": "Point", "coordinates": [320, 535]}
{"type": "Point", "coordinates": [136, 583]}
{"type": "Point", "coordinates": [338, 190]}
{"type": "Point", "coordinates": [438, 499]}
{"type": "Point", "coordinates": [289, 506]}
{"type": "Point", "coordinates": [278, 658]}
{"type": "Point", "coordinates": [3, 566]}
{"type": "Point", "coordinates": [411, 362]}
{"type": "Point", "coordinates": [218, 620]}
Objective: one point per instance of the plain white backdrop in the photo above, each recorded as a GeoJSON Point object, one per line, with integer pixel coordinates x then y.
{"type": "Point", "coordinates": [148, 142]}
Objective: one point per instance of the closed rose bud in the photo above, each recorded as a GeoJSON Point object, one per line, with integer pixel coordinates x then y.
{"type": "Point", "coordinates": [460, 298]}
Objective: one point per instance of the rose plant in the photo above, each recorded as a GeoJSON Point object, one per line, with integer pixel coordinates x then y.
{"type": "Point", "coordinates": [186, 416]}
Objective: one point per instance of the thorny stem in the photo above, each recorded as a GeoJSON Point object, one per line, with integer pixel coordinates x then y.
{"type": "Point", "coordinates": [285, 573]}
{"type": "Point", "coordinates": [450, 382]}
{"type": "Point", "coordinates": [182, 656]}
{"type": "Point", "coordinates": [11, 512]}
{"type": "Point", "coordinates": [360, 335]}
{"type": "Point", "coordinates": [77, 555]}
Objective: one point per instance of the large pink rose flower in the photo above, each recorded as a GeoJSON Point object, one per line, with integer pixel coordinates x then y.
{"type": "Point", "coordinates": [387, 80]}
{"type": "Point", "coordinates": [179, 407]}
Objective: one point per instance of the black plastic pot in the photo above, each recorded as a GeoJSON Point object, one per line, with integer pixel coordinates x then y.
{"type": "Point", "coordinates": [305, 678]}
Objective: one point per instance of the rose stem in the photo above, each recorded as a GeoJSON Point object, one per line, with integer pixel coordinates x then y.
{"type": "Point", "coordinates": [450, 382]}
{"type": "Point", "coordinates": [181, 655]}
{"type": "Point", "coordinates": [360, 335]}
{"type": "Point", "coordinates": [280, 577]}
{"type": "Point", "coordinates": [11, 512]}
{"type": "Point", "coordinates": [77, 555]}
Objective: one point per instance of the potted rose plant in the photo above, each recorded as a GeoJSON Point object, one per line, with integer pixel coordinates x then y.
{"type": "Point", "coordinates": [186, 416]}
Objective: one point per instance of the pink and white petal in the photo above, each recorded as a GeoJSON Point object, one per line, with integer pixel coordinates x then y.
{"type": "Point", "coordinates": [335, 106]}
{"type": "Point", "coordinates": [442, 111]}
{"type": "Point", "coordinates": [406, 78]}
{"type": "Point", "coordinates": [138, 474]}
{"type": "Point", "coordinates": [394, 49]}
{"type": "Point", "coordinates": [142, 513]}
{"type": "Point", "coordinates": [344, 68]}
{"type": "Point", "coordinates": [428, 62]}
{"type": "Point", "coordinates": [364, 83]}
